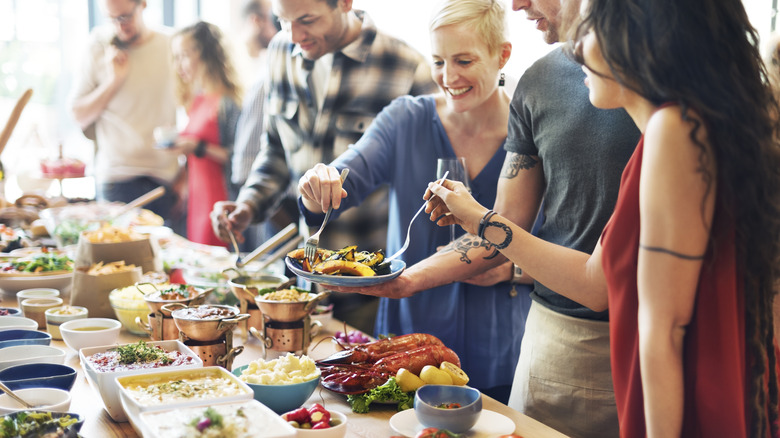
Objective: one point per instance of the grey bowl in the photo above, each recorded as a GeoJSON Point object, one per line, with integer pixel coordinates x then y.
{"type": "Point", "coordinates": [457, 420]}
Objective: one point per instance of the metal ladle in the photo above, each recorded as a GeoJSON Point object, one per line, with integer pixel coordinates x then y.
{"type": "Point", "coordinates": [15, 397]}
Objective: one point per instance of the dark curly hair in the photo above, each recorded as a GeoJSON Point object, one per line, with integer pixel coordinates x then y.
{"type": "Point", "coordinates": [704, 55]}
{"type": "Point", "coordinates": [216, 60]}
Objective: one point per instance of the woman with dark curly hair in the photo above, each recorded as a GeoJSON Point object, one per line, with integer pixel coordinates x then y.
{"type": "Point", "coordinates": [688, 263]}
{"type": "Point", "coordinates": [208, 90]}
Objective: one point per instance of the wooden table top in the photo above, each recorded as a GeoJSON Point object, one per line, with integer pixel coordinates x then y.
{"type": "Point", "coordinates": [87, 402]}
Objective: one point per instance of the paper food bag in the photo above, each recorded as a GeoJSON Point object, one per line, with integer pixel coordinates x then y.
{"type": "Point", "coordinates": [143, 252]}
{"type": "Point", "coordinates": [91, 291]}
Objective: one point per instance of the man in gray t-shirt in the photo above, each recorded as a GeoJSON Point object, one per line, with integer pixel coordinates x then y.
{"type": "Point", "coordinates": [582, 151]}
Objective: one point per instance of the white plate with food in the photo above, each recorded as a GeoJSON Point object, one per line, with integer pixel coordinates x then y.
{"type": "Point", "coordinates": [490, 424]}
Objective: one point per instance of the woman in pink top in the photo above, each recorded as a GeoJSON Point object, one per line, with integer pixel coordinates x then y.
{"type": "Point", "coordinates": [208, 90]}
{"type": "Point", "coordinates": [688, 262]}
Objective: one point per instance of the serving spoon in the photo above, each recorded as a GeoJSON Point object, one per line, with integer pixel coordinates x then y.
{"type": "Point", "coordinates": [14, 396]}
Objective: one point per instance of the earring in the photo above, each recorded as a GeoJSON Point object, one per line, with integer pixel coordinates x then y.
{"type": "Point", "coordinates": [501, 79]}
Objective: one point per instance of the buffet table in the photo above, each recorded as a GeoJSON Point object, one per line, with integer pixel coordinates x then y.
{"type": "Point", "coordinates": [375, 424]}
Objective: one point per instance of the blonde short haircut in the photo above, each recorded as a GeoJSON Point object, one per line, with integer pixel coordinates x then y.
{"type": "Point", "coordinates": [486, 17]}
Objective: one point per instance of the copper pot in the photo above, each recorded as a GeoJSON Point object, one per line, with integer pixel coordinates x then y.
{"type": "Point", "coordinates": [204, 328]}
{"type": "Point", "coordinates": [155, 303]}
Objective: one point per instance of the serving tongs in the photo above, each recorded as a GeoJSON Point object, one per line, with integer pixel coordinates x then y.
{"type": "Point", "coordinates": [288, 232]}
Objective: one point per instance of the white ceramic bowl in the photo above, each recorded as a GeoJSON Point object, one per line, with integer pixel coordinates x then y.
{"type": "Point", "coordinates": [22, 354]}
{"type": "Point", "coordinates": [47, 399]}
{"type": "Point", "coordinates": [39, 292]}
{"type": "Point", "coordinates": [105, 382]}
{"type": "Point", "coordinates": [134, 407]}
{"type": "Point", "coordinates": [13, 284]}
{"type": "Point", "coordinates": [56, 316]}
{"type": "Point", "coordinates": [331, 432]}
{"type": "Point", "coordinates": [260, 420]}
{"type": "Point", "coordinates": [18, 323]}
{"type": "Point", "coordinates": [35, 308]}
{"type": "Point", "coordinates": [104, 331]}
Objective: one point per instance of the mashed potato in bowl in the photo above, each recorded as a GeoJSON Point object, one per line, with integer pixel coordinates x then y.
{"type": "Point", "coordinates": [284, 370]}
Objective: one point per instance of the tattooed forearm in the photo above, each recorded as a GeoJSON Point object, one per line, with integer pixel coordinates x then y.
{"type": "Point", "coordinates": [514, 163]}
{"type": "Point", "coordinates": [468, 242]}
{"type": "Point", "coordinates": [507, 234]}
{"type": "Point", "coordinates": [671, 253]}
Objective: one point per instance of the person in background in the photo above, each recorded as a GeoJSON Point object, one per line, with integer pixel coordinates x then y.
{"type": "Point", "coordinates": [330, 73]}
{"type": "Point", "coordinates": [560, 148]}
{"type": "Point", "coordinates": [258, 28]}
{"type": "Point", "coordinates": [688, 263]}
{"type": "Point", "coordinates": [772, 61]}
{"type": "Point", "coordinates": [209, 91]}
{"type": "Point", "coordinates": [124, 91]}
{"type": "Point", "coordinates": [466, 118]}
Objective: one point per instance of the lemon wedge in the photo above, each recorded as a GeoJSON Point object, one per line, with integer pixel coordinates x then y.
{"type": "Point", "coordinates": [434, 376]}
{"type": "Point", "coordinates": [407, 380]}
{"type": "Point", "coordinates": [459, 377]}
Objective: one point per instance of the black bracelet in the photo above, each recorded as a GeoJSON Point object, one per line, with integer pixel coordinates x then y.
{"type": "Point", "coordinates": [200, 149]}
{"type": "Point", "coordinates": [483, 223]}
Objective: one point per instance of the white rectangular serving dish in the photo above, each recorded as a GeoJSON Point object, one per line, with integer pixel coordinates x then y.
{"type": "Point", "coordinates": [105, 382]}
{"type": "Point", "coordinates": [261, 421]}
{"type": "Point", "coordinates": [133, 408]}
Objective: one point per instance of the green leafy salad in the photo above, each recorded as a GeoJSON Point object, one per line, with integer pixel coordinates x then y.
{"type": "Point", "coordinates": [388, 392]}
{"type": "Point", "coordinates": [44, 262]}
{"type": "Point", "coordinates": [33, 424]}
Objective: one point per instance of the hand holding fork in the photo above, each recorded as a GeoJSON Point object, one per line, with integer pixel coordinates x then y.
{"type": "Point", "coordinates": [310, 249]}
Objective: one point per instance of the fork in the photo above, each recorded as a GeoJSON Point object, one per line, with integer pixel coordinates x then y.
{"type": "Point", "coordinates": [310, 249]}
{"type": "Point", "coordinates": [409, 229]}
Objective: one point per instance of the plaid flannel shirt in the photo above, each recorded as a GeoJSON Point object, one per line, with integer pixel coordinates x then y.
{"type": "Point", "coordinates": [366, 76]}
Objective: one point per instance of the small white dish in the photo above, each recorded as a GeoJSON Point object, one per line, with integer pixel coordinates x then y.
{"type": "Point", "coordinates": [90, 332]}
{"type": "Point", "coordinates": [19, 322]}
{"type": "Point", "coordinates": [22, 354]}
{"type": "Point", "coordinates": [45, 399]}
{"type": "Point", "coordinates": [39, 292]}
{"type": "Point", "coordinates": [490, 424]}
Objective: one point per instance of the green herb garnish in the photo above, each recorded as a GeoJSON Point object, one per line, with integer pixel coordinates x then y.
{"type": "Point", "coordinates": [210, 418]}
{"type": "Point", "coordinates": [141, 352]}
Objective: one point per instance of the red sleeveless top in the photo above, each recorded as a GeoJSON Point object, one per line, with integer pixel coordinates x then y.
{"type": "Point", "coordinates": [206, 178]}
{"type": "Point", "coordinates": [714, 360]}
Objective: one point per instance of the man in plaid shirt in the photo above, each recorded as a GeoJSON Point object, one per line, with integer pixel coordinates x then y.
{"type": "Point", "coordinates": [330, 73]}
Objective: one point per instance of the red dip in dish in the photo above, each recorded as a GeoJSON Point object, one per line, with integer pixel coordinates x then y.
{"type": "Point", "coordinates": [137, 357]}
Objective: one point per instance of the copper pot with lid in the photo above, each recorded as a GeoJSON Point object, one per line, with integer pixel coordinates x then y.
{"type": "Point", "coordinates": [205, 322]}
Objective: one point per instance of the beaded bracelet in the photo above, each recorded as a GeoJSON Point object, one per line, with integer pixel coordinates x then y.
{"type": "Point", "coordinates": [483, 223]}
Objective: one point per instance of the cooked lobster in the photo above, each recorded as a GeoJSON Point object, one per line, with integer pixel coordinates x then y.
{"type": "Point", "coordinates": [373, 351]}
{"type": "Point", "coordinates": [365, 367]}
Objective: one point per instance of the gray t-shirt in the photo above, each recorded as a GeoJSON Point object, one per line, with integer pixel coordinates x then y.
{"type": "Point", "coordinates": [583, 151]}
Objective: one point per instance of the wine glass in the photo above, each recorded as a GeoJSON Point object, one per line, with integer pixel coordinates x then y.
{"type": "Point", "coordinates": [457, 172]}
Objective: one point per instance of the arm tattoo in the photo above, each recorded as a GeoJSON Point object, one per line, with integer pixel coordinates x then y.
{"type": "Point", "coordinates": [507, 231]}
{"type": "Point", "coordinates": [463, 245]}
{"type": "Point", "coordinates": [672, 253]}
{"type": "Point", "coordinates": [515, 163]}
